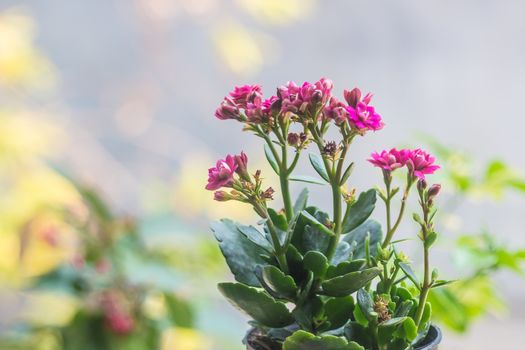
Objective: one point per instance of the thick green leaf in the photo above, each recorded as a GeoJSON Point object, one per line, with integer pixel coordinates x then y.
{"type": "Point", "coordinates": [358, 237]}
{"type": "Point", "coordinates": [256, 237]}
{"type": "Point", "coordinates": [345, 267]}
{"type": "Point", "coordinates": [271, 159]}
{"type": "Point", "coordinates": [309, 233]}
{"type": "Point", "coordinates": [338, 311]}
{"type": "Point", "coordinates": [242, 255]}
{"type": "Point", "coordinates": [279, 220]}
{"type": "Point", "coordinates": [307, 179]}
{"type": "Point", "coordinates": [257, 304]}
{"type": "Point", "coordinates": [356, 332]}
{"type": "Point", "coordinates": [302, 340]}
{"type": "Point", "coordinates": [278, 281]}
{"type": "Point", "coordinates": [301, 201]}
{"type": "Point", "coordinates": [409, 273]}
{"type": "Point", "coordinates": [360, 210]}
{"type": "Point", "coordinates": [308, 312]}
{"type": "Point", "coordinates": [318, 164]}
{"type": "Point", "coordinates": [349, 283]}
{"type": "Point", "coordinates": [366, 305]}
{"type": "Point", "coordinates": [316, 262]}
{"type": "Point", "coordinates": [343, 252]}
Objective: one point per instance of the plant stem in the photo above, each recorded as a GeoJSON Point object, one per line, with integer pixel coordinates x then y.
{"type": "Point", "coordinates": [280, 254]}
{"type": "Point", "coordinates": [285, 184]}
{"type": "Point", "coordinates": [425, 288]}
{"type": "Point", "coordinates": [392, 230]}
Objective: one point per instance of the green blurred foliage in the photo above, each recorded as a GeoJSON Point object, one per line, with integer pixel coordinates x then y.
{"type": "Point", "coordinates": [479, 257]}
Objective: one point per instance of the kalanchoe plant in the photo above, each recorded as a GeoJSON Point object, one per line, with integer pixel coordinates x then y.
{"type": "Point", "coordinates": [309, 279]}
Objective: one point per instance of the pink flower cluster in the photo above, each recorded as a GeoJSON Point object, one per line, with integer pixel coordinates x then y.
{"type": "Point", "coordinates": [312, 100]}
{"type": "Point", "coordinates": [418, 162]}
{"type": "Point", "coordinates": [221, 175]}
{"type": "Point", "coordinates": [117, 315]}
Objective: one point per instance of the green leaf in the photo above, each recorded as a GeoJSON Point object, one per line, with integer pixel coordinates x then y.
{"type": "Point", "coordinates": [300, 203]}
{"type": "Point", "coordinates": [257, 304]}
{"type": "Point", "coordinates": [179, 311]}
{"type": "Point", "coordinates": [343, 252]}
{"type": "Point", "coordinates": [307, 179]}
{"type": "Point", "coordinates": [309, 233]}
{"type": "Point", "coordinates": [346, 174]}
{"type": "Point", "coordinates": [302, 340]}
{"type": "Point", "coordinates": [279, 220]}
{"type": "Point", "coordinates": [410, 274]}
{"type": "Point", "coordinates": [359, 234]}
{"type": "Point", "coordinates": [431, 238]}
{"type": "Point", "coordinates": [242, 255]}
{"type": "Point", "coordinates": [345, 267]}
{"type": "Point", "coordinates": [318, 164]}
{"type": "Point", "coordinates": [308, 312]}
{"type": "Point", "coordinates": [366, 305]}
{"type": "Point", "coordinates": [338, 311]}
{"type": "Point", "coordinates": [271, 159]}
{"type": "Point", "coordinates": [360, 210]}
{"type": "Point", "coordinates": [442, 283]}
{"type": "Point", "coordinates": [349, 283]}
{"type": "Point", "coordinates": [255, 236]}
{"type": "Point", "coordinates": [278, 281]}
{"type": "Point", "coordinates": [316, 262]}
{"type": "Point", "coordinates": [407, 330]}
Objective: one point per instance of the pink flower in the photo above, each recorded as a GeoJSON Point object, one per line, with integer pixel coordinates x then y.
{"type": "Point", "coordinates": [228, 110]}
{"type": "Point", "coordinates": [420, 163]}
{"type": "Point", "coordinates": [335, 110]}
{"type": "Point", "coordinates": [297, 99]}
{"type": "Point", "coordinates": [362, 116]}
{"type": "Point", "coordinates": [241, 95]}
{"type": "Point", "coordinates": [390, 160]}
{"type": "Point", "coordinates": [261, 111]}
{"type": "Point", "coordinates": [222, 174]}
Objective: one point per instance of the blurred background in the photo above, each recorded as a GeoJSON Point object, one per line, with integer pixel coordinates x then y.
{"type": "Point", "coordinates": [107, 131]}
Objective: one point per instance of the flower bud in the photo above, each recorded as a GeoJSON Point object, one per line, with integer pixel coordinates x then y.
{"type": "Point", "coordinates": [352, 97]}
{"type": "Point", "coordinates": [242, 163]}
{"type": "Point", "coordinates": [228, 110]}
{"type": "Point", "coordinates": [268, 193]}
{"type": "Point", "coordinates": [222, 196]}
{"type": "Point", "coordinates": [293, 139]}
{"type": "Point", "coordinates": [421, 184]}
{"type": "Point", "coordinates": [434, 190]}
{"type": "Point", "coordinates": [317, 96]}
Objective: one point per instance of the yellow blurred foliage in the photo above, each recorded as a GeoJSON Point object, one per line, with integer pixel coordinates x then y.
{"type": "Point", "coordinates": [278, 11]}
{"type": "Point", "coordinates": [239, 48]}
{"type": "Point", "coordinates": [20, 62]}
{"type": "Point", "coordinates": [185, 339]}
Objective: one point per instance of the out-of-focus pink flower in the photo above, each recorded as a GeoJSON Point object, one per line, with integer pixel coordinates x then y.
{"type": "Point", "coordinates": [222, 174]}
{"type": "Point", "coordinates": [335, 110]}
{"type": "Point", "coordinates": [390, 160]}
{"type": "Point", "coordinates": [228, 110]}
{"type": "Point", "coordinates": [116, 314]}
{"type": "Point", "coordinates": [242, 95]}
{"type": "Point", "coordinates": [421, 163]}
{"type": "Point", "coordinates": [362, 117]}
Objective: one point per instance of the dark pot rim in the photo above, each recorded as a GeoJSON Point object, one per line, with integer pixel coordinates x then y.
{"type": "Point", "coordinates": [431, 342]}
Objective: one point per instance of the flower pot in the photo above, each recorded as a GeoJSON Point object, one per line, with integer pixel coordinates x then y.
{"type": "Point", "coordinates": [257, 341]}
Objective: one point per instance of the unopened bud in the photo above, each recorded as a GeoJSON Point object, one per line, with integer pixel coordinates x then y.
{"type": "Point", "coordinates": [242, 163]}
{"type": "Point", "coordinates": [330, 149]}
{"type": "Point", "coordinates": [317, 96]}
{"type": "Point", "coordinates": [268, 193]}
{"type": "Point", "coordinates": [222, 196]}
{"type": "Point", "coordinates": [352, 97]}
{"type": "Point", "coordinates": [421, 184]}
{"type": "Point", "coordinates": [434, 190]}
{"type": "Point", "coordinates": [293, 139]}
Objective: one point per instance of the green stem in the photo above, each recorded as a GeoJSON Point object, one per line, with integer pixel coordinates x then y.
{"type": "Point", "coordinates": [280, 254]}
{"type": "Point", "coordinates": [392, 230]}
{"type": "Point", "coordinates": [424, 289]}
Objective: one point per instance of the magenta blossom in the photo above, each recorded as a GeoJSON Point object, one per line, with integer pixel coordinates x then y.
{"type": "Point", "coordinates": [244, 94]}
{"type": "Point", "coordinates": [420, 163]}
{"type": "Point", "coordinates": [297, 99]}
{"type": "Point", "coordinates": [390, 160]}
{"type": "Point", "coordinates": [335, 110]}
{"type": "Point", "coordinates": [222, 174]}
{"type": "Point", "coordinates": [228, 110]}
{"type": "Point", "coordinates": [362, 116]}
